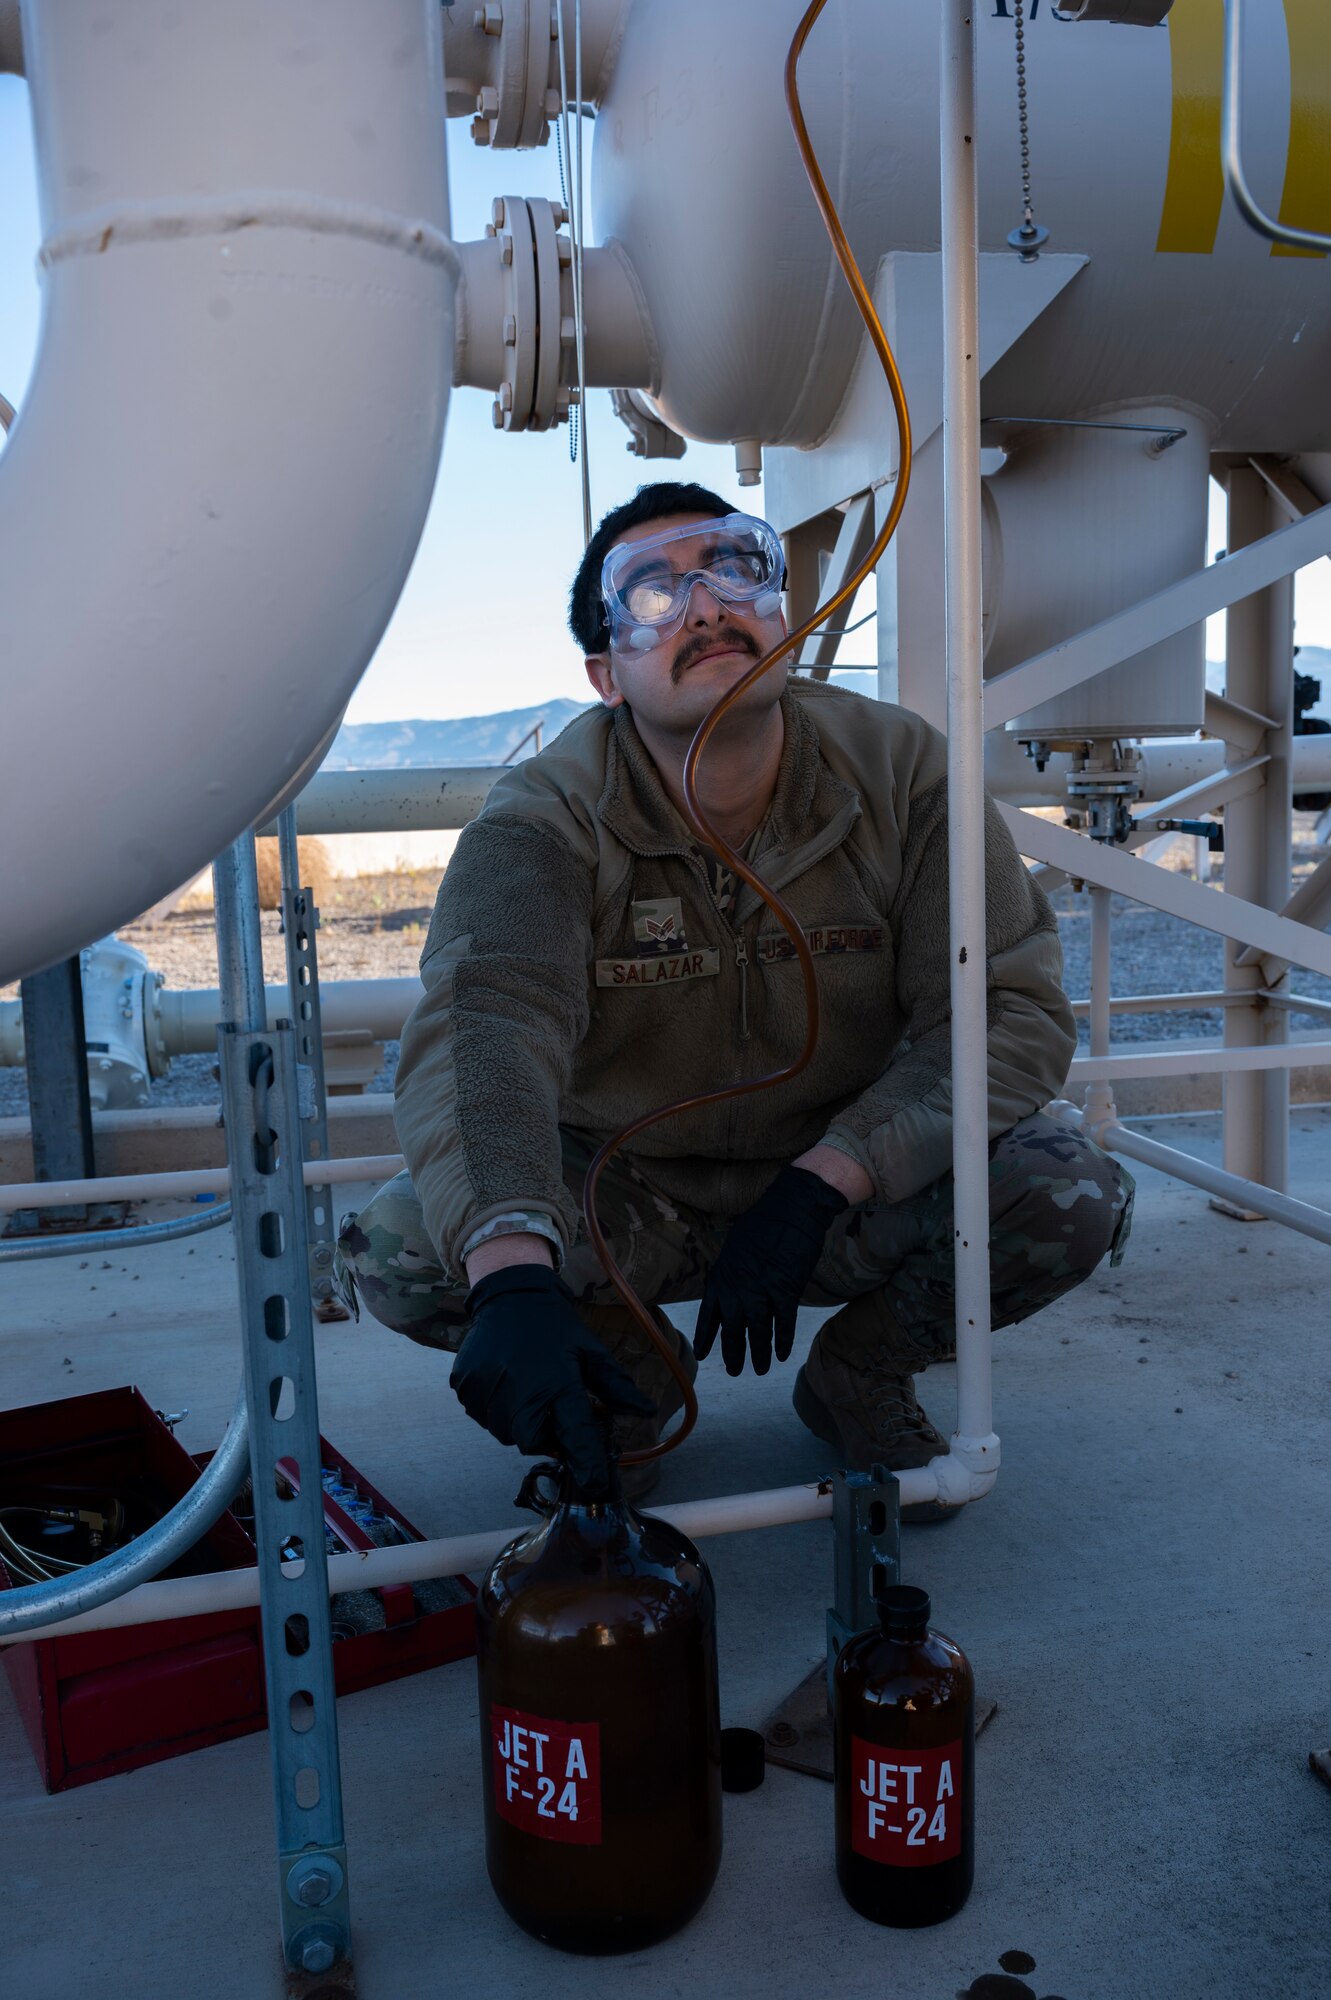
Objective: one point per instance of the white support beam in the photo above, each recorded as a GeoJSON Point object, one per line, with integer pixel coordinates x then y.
{"type": "Point", "coordinates": [1234, 724]}
{"type": "Point", "coordinates": [1235, 781]}
{"type": "Point", "coordinates": [1201, 1062]}
{"type": "Point", "coordinates": [1310, 904]}
{"type": "Point", "coordinates": [1297, 500]}
{"type": "Point", "coordinates": [1087, 860]}
{"type": "Point", "coordinates": [1170, 610]}
{"type": "Point", "coordinates": [852, 545]}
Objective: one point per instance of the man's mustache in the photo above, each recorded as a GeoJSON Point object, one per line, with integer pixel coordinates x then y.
{"type": "Point", "coordinates": [732, 639]}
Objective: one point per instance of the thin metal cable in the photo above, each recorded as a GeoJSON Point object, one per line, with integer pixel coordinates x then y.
{"type": "Point", "coordinates": [573, 157]}
{"type": "Point", "coordinates": [579, 245]}
{"type": "Point", "coordinates": [574, 413]}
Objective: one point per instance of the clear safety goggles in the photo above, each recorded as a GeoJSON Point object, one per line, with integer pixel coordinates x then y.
{"type": "Point", "coordinates": [646, 585]}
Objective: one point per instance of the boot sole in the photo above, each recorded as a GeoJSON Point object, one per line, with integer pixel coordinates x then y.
{"type": "Point", "coordinates": [814, 1414]}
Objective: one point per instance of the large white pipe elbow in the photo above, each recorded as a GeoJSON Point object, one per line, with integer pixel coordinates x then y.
{"type": "Point", "coordinates": [216, 484]}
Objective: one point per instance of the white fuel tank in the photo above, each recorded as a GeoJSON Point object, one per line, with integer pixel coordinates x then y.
{"type": "Point", "coordinates": [695, 169]}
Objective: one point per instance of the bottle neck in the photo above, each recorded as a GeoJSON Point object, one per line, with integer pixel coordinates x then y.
{"type": "Point", "coordinates": [904, 1635]}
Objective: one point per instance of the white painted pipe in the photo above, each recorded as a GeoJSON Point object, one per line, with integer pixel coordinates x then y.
{"type": "Point", "coordinates": [1232, 1188]}
{"type": "Point", "coordinates": [457, 1555]}
{"type": "Point", "coordinates": [445, 799]}
{"type": "Point", "coordinates": [187, 1020]}
{"type": "Point", "coordinates": [976, 1443]}
{"type": "Point", "coordinates": [181, 1186]}
{"type": "Point", "coordinates": [215, 487]}
{"type": "Point", "coordinates": [430, 799]}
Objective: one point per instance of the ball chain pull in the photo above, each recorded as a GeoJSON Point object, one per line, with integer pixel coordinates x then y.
{"type": "Point", "coordinates": [1027, 238]}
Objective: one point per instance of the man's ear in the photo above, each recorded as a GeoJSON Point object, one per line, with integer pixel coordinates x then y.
{"type": "Point", "coordinates": [601, 674]}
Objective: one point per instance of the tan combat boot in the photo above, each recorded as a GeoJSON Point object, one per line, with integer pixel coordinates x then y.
{"type": "Point", "coordinates": [857, 1391]}
{"type": "Point", "coordinates": [616, 1328]}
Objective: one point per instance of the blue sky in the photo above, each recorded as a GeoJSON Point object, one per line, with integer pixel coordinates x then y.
{"type": "Point", "coordinates": [480, 625]}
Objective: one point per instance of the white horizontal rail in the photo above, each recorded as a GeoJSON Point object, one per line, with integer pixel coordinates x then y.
{"type": "Point", "coordinates": [181, 1186]}
{"type": "Point", "coordinates": [1187, 1003]}
{"type": "Point", "coordinates": [415, 1562]}
{"type": "Point", "coordinates": [1089, 860]}
{"type": "Point", "coordinates": [1173, 609]}
{"type": "Point", "coordinates": [1233, 1188]}
{"type": "Point", "coordinates": [1165, 1003]}
{"type": "Point", "coordinates": [383, 801]}
{"type": "Point", "coordinates": [1200, 1062]}
{"type": "Point", "coordinates": [1233, 781]}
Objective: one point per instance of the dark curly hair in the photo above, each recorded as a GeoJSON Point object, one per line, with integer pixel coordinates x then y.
{"type": "Point", "coordinates": [586, 612]}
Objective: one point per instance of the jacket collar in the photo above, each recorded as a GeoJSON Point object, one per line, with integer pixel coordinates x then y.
{"type": "Point", "coordinates": [812, 809]}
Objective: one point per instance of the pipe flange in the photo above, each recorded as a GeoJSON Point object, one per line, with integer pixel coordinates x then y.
{"type": "Point", "coordinates": [521, 58]}
{"type": "Point", "coordinates": [154, 1041]}
{"type": "Point", "coordinates": [538, 327]}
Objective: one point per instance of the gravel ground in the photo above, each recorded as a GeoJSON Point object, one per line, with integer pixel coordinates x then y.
{"type": "Point", "coordinates": [373, 926]}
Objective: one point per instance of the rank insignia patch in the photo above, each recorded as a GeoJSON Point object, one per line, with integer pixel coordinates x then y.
{"type": "Point", "coordinates": [658, 926]}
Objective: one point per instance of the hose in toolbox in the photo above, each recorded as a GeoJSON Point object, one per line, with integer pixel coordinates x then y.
{"type": "Point", "coordinates": [697, 818]}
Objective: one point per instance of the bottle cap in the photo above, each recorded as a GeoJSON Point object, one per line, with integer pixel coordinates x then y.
{"type": "Point", "coordinates": [903, 1608]}
{"type": "Point", "coordinates": [743, 1760]}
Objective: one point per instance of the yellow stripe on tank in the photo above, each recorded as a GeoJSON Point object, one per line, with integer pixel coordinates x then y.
{"type": "Point", "coordinates": [1195, 187]}
{"type": "Point", "coordinates": [1306, 201]}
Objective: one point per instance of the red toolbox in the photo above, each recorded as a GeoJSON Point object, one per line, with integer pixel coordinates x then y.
{"type": "Point", "coordinates": [100, 1702]}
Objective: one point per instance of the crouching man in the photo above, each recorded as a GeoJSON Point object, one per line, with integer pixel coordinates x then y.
{"type": "Point", "coordinates": [588, 959]}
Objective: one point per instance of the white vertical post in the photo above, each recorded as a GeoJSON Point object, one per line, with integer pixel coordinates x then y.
{"type": "Point", "coordinates": [965, 721]}
{"type": "Point", "coordinates": [1100, 1096]}
{"type": "Point", "coordinates": [1259, 637]}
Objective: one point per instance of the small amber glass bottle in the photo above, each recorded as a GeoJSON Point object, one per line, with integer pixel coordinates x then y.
{"type": "Point", "coordinates": [600, 1726]}
{"type": "Point", "coordinates": [903, 1710]}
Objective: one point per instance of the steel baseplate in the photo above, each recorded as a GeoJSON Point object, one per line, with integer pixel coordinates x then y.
{"type": "Point", "coordinates": [338, 1983]}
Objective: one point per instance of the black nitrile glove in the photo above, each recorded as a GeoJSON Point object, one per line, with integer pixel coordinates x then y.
{"type": "Point", "coordinates": [527, 1366]}
{"type": "Point", "coordinates": [754, 1288]}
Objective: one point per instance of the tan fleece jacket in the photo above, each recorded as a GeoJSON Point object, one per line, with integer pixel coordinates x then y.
{"type": "Point", "coordinates": [577, 971]}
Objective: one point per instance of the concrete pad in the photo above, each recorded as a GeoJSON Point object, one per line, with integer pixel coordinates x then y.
{"type": "Point", "coordinates": [1143, 1595]}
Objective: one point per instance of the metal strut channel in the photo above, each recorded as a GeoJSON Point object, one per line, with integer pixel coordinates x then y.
{"type": "Point", "coordinates": [272, 1262]}
{"type": "Point", "coordinates": [261, 1112]}
{"type": "Point", "coordinates": [300, 924]}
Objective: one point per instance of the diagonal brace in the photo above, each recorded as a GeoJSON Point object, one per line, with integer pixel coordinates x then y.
{"type": "Point", "coordinates": [1089, 860]}
{"type": "Point", "coordinates": [1170, 610]}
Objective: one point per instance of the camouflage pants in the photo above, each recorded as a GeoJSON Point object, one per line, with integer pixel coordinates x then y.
{"type": "Point", "coordinates": [1056, 1202]}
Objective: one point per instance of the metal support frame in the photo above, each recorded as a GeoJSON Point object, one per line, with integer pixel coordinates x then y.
{"type": "Point", "coordinates": [1302, 1216]}
{"type": "Point", "coordinates": [855, 532]}
{"type": "Point", "coordinates": [56, 1060]}
{"type": "Point", "coordinates": [866, 1558]}
{"type": "Point", "coordinates": [1173, 609]}
{"type": "Point", "coordinates": [300, 924]}
{"type": "Point", "coordinates": [262, 1116]}
{"type": "Point", "coordinates": [866, 1553]}
{"type": "Point", "coordinates": [1099, 1102]}
{"type": "Point", "coordinates": [1259, 676]}
{"type": "Point", "coordinates": [1085, 860]}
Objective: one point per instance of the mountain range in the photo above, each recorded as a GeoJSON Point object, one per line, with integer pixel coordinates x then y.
{"type": "Point", "coordinates": [489, 739]}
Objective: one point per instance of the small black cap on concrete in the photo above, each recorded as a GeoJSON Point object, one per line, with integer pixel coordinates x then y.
{"type": "Point", "coordinates": [743, 1765]}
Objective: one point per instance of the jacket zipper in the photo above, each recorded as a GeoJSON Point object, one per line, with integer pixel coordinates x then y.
{"type": "Point", "coordinates": [742, 961]}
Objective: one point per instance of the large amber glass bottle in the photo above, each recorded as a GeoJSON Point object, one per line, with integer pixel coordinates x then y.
{"type": "Point", "coordinates": [903, 1711]}
{"type": "Point", "coordinates": [600, 1727]}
